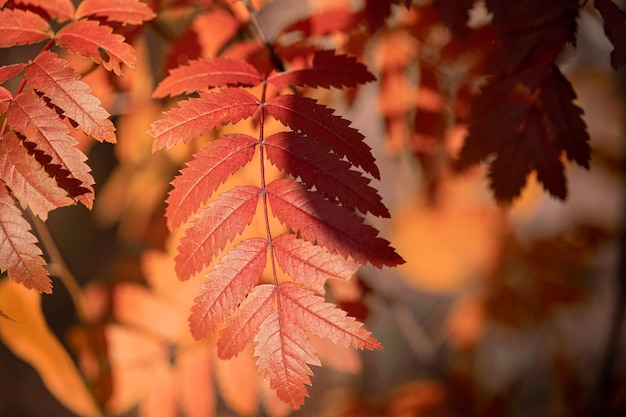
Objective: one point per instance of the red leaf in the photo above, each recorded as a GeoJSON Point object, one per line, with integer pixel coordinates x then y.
{"type": "Point", "coordinates": [27, 180]}
{"type": "Point", "coordinates": [495, 116]}
{"type": "Point", "coordinates": [9, 71]}
{"type": "Point", "coordinates": [40, 125]}
{"type": "Point", "coordinates": [63, 9]}
{"type": "Point", "coordinates": [197, 116]}
{"type": "Point", "coordinates": [127, 12]}
{"type": "Point", "coordinates": [305, 115]}
{"type": "Point", "coordinates": [327, 70]}
{"type": "Point", "coordinates": [245, 322]}
{"type": "Point", "coordinates": [283, 348]}
{"type": "Point", "coordinates": [19, 27]}
{"type": "Point", "coordinates": [5, 98]}
{"type": "Point", "coordinates": [60, 83]}
{"type": "Point", "coordinates": [615, 30]}
{"type": "Point", "coordinates": [98, 42]}
{"type": "Point", "coordinates": [332, 226]}
{"type": "Point", "coordinates": [544, 157]}
{"type": "Point", "coordinates": [517, 157]}
{"type": "Point", "coordinates": [284, 353]}
{"type": "Point", "coordinates": [310, 312]}
{"type": "Point", "coordinates": [209, 168]}
{"type": "Point", "coordinates": [202, 74]}
{"type": "Point", "coordinates": [309, 264]}
{"type": "Point", "coordinates": [568, 130]}
{"type": "Point", "coordinates": [213, 227]}
{"type": "Point", "coordinates": [227, 286]}
{"type": "Point", "coordinates": [19, 254]}
{"type": "Point", "coordinates": [317, 166]}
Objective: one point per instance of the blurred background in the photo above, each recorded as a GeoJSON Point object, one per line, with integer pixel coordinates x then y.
{"type": "Point", "coordinates": [498, 311]}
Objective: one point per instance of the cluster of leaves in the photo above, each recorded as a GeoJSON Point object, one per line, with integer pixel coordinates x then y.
{"type": "Point", "coordinates": [327, 239]}
{"type": "Point", "coordinates": [41, 166]}
{"type": "Point", "coordinates": [524, 119]}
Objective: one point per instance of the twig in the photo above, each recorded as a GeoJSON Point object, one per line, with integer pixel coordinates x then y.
{"type": "Point", "coordinates": [57, 265]}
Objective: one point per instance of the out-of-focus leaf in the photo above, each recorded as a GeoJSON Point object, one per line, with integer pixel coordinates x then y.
{"type": "Point", "coordinates": [30, 338]}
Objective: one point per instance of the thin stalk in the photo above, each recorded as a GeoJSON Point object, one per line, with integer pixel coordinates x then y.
{"type": "Point", "coordinates": [263, 184]}
{"type": "Point", "coordinates": [58, 265]}
{"type": "Point", "coordinates": [268, 45]}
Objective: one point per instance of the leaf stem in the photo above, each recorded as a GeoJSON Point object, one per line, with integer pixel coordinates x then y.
{"type": "Point", "coordinates": [263, 183]}
{"type": "Point", "coordinates": [58, 265]}
{"type": "Point", "coordinates": [268, 45]}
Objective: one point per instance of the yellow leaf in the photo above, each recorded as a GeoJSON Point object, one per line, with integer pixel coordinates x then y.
{"type": "Point", "coordinates": [30, 338]}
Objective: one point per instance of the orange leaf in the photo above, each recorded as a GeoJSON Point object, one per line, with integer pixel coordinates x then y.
{"type": "Point", "coordinates": [20, 27]}
{"type": "Point", "coordinates": [310, 264]}
{"type": "Point", "coordinates": [238, 383]}
{"type": "Point", "coordinates": [209, 168]}
{"type": "Point", "coordinates": [195, 382]}
{"type": "Point", "coordinates": [54, 148]}
{"type": "Point", "coordinates": [283, 348]}
{"type": "Point", "coordinates": [5, 98]}
{"type": "Point", "coordinates": [198, 116]}
{"type": "Point", "coordinates": [227, 285]}
{"type": "Point", "coordinates": [98, 42]}
{"type": "Point", "coordinates": [245, 322]}
{"type": "Point", "coordinates": [63, 9]}
{"type": "Point", "coordinates": [213, 227]}
{"type": "Point", "coordinates": [127, 12]}
{"type": "Point", "coordinates": [200, 74]}
{"type": "Point", "coordinates": [19, 255]}
{"type": "Point", "coordinates": [60, 83]}
{"type": "Point", "coordinates": [27, 179]}
{"type": "Point", "coordinates": [30, 338]}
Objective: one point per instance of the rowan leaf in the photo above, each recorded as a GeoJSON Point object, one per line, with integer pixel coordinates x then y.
{"type": "Point", "coordinates": [92, 40]}
{"type": "Point", "coordinates": [317, 166]}
{"type": "Point", "coordinates": [202, 74]}
{"type": "Point", "coordinates": [283, 348]}
{"type": "Point", "coordinates": [530, 150]}
{"type": "Point", "coordinates": [28, 181]}
{"type": "Point", "coordinates": [126, 12]}
{"type": "Point", "coordinates": [197, 116]}
{"type": "Point", "coordinates": [245, 322]}
{"type": "Point", "coordinates": [5, 99]}
{"type": "Point", "coordinates": [227, 285]}
{"type": "Point", "coordinates": [312, 313]}
{"type": "Point", "coordinates": [569, 131]}
{"type": "Point", "coordinates": [327, 70]}
{"type": "Point", "coordinates": [284, 353]}
{"type": "Point", "coordinates": [309, 264]}
{"type": "Point", "coordinates": [210, 167]}
{"type": "Point", "coordinates": [19, 27]}
{"type": "Point", "coordinates": [332, 226]}
{"type": "Point", "coordinates": [49, 139]}
{"type": "Point", "coordinates": [63, 9]}
{"type": "Point", "coordinates": [9, 71]}
{"type": "Point", "coordinates": [20, 257]}
{"type": "Point", "coordinates": [213, 227]}
{"type": "Point", "coordinates": [54, 77]}
{"type": "Point", "coordinates": [317, 121]}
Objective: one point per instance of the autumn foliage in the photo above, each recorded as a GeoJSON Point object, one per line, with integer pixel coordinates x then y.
{"type": "Point", "coordinates": [237, 173]}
